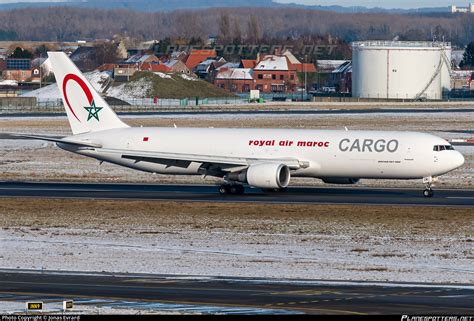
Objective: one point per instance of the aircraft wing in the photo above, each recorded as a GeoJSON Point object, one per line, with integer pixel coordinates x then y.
{"type": "Point", "coordinates": [54, 139]}
{"type": "Point", "coordinates": [225, 163]}
{"type": "Point", "coordinates": [219, 163]}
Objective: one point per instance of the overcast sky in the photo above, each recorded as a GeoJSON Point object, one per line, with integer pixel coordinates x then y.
{"type": "Point", "coordinates": [384, 3]}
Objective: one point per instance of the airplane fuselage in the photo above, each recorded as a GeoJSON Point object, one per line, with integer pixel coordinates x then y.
{"type": "Point", "coordinates": [326, 153]}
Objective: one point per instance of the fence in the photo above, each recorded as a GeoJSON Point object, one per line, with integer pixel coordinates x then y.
{"type": "Point", "coordinates": [25, 105]}
{"type": "Point", "coordinates": [34, 105]}
{"type": "Point", "coordinates": [158, 102]}
{"type": "Point", "coordinates": [140, 104]}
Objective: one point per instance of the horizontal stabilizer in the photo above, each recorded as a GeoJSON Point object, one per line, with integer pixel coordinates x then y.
{"type": "Point", "coordinates": [54, 139]}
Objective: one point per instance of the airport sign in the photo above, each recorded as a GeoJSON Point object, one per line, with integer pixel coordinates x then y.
{"type": "Point", "coordinates": [34, 306]}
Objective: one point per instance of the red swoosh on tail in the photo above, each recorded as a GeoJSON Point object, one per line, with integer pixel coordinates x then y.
{"type": "Point", "coordinates": [84, 87]}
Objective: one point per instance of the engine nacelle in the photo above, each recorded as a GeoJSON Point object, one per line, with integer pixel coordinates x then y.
{"type": "Point", "coordinates": [268, 175]}
{"type": "Point", "coordinates": [340, 180]}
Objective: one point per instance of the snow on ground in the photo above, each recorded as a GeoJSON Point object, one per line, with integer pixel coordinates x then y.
{"type": "Point", "coordinates": [186, 77]}
{"type": "Point", "coordinates": [163, 75]}
{"type": "Point", "coordinates": [8, 82]}
{"type": "Point", "coordinates": [47, 92]}
{"type": "Point", "coordinates": [96, 78]}
{"type": "Point", "coordinates": [331, 252]}
{"type": "Point", "coordinates": [130, 91]}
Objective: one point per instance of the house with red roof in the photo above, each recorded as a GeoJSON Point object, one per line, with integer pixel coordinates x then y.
{"type": "Point", "coordinates": [275, 74]}
{"type": "Point", "coordinates": [154, 67]}
{"type": "Point", "coordinates": [196, 56]}
{"type": "Point", "coordinates": [237, 80]}
{"type": "Point", "coordinates": [178, 66]}
{"type": "Point", "coordinates": [106, 67]}
{"type": "Point", "coordinates": [305, 67]}
{"type": "Point", "coordinates": [248, 63]}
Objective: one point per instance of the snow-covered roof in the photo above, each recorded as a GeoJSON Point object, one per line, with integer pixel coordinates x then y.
{"type": "Point", "coordinates": [229, 65]}
{"type": "Point", "coordinates": [207, 62]}
{"type": "Point", "coordinates": [273, 63]}
{"type": "Point", "coordinates": [138, 58]}
{"type": "Point", "coordinates": [330, 65]}
{"type": "Point", "coordinates": [344, 68]}
{"type": "Point", "coordinates": [12, 83]}
{"type": "Point", "coordinates": [291, 57]}
{"type": "Point", "coordinates": [82, 53]}
{"type": "Point", "coordinates": [236, 74]}
{"type": "Point", "coordinates": [462, 74]}
{"type": "Point", "coordinates": [176, 54]}
{"type": "Point", "coordinates": [171, 63]}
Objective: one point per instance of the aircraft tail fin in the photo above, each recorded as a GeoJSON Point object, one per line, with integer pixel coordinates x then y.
{"type": "Point", "coordinates": [86, 110]}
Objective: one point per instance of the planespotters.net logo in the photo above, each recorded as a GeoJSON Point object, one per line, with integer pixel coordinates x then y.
{"type": "Point", "coordinates": [92, 109]}
{"type": "Point", "coordinates": [437, 318]}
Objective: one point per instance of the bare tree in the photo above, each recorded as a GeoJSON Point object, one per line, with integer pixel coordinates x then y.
{"type": "Point", "coordinates": [237, 34]}
{"type": "Point", "coordinates": [70, 24]}
{"type": "Point", "coordinates": [253, 29]}
{"type": "Point", "coordinates": [107, 53]}
{"type": "Point", "coordinates": [224, 27]}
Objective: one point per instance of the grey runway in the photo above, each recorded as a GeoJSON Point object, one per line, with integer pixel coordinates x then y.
{"type": "Point", "coordinates": [235, 295]}
{"type": "Point", "coordinates": [209, 193]}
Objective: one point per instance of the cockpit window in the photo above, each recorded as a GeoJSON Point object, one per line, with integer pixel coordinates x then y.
{"type": "Point", "coordinates": [438, 148]}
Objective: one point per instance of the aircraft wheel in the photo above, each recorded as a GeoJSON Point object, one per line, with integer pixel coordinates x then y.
{"type": "Point", "coordinates": [428, 193]}
{"type": "Point", "coordinates": [224, 189]}
{"type": "Point", "coordinates": [240, 189]}
{"type": "Point", "coordinates": [236, 189]}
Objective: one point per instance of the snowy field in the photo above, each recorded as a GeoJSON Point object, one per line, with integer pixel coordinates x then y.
{"type": "Point", "coordinates": [399, 244]}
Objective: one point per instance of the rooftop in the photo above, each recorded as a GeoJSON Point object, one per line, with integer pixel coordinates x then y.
{"type": "Point", "coordinates": [401, 44]}
{"type": "Point", "coordinates": [235, 74]}
{"type": "Point", "coordinates": [272, 62]}
{"type": "Point", "coordinates": [198, 56]}
{"type": "Point", "coordinates": [330, 65]}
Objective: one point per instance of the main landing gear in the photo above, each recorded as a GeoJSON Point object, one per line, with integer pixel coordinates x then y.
{"type": "Point", "coordinates": [274, 190]}
{"type": "Point", "coordinates": [428, 181]}
{"type": "Point", "coordinates": [235, 189]}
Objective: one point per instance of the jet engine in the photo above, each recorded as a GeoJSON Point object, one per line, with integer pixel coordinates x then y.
{"type": "Point", "coordinates": [264, 175]}
{"type": "Point", "coordinates": [340, 180]}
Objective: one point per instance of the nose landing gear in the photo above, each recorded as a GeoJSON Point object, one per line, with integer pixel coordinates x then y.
{"type": "Point", "coordinates": [428, 193]}
{"type": "Point", "coordinates": [429, 182]}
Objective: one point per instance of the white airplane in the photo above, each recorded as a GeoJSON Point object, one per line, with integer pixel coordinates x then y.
{"type": "Point", "coordinates": [260, 158]}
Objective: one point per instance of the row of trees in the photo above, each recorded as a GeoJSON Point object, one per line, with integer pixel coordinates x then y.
{"type": "Point", "coordinates": [242, 24]}
{"type": "Point", "coordinates": [468, 57]}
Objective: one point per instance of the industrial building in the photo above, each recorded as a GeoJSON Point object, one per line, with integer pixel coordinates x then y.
{"type": "Point", "coordinates": [468, 9]}
{"type": "Point", "coordinates": [401, 69]}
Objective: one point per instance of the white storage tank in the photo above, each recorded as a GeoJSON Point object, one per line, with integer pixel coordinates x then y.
{"type": "Point", "coordinates": [400, 69]}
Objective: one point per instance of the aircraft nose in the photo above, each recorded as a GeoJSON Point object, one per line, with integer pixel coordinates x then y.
{"type": "Point", "coordinates": [457, 159]}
